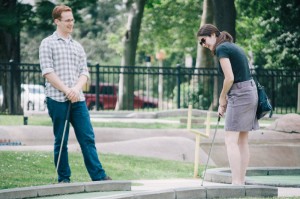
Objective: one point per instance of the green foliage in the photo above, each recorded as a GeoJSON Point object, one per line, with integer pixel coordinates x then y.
{"type": "Point", "coordinates": [36, 23]}
{"type": "Point", "coordinates": [95, 21]}
{"type": "Point", "coordinates": [199, 100]}
{"type": "Point", "coordinates": [101, 20]}
{"type": "Point", "coordinates": [172, 26]}
{"type": "Point", "coordinates": [43, 19]}
{"type": "Point", "coordinates": [193, 96]}
{"type": "Point", "coordinates": [8, 17]}
{"type": "Point", "coordinates": [273, 35]}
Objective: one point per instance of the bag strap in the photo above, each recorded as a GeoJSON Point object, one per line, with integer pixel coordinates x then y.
{"type": "Point", "coordinates": [258, 85]}
{"type": "Point", "coordinates": [253, 76]}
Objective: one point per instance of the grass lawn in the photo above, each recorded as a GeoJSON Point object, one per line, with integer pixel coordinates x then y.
{"type": "Point", "coordinates": [44, 120]}
{"type": "Point", "coordinates": [23, 169]}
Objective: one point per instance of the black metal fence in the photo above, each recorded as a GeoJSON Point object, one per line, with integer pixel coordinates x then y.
{"type": "Point", "coordinates": [151, 88]}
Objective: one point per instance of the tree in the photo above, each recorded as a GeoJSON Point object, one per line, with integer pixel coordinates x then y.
{"type": "Point", "coordinates": [170, 25]}
{"type": "Point", "coordinates": [204, 56]}
{"type": "Point", "coordinates": [16, 18]}
{"type": "Point", "coordinates": [37, 19]}
{"type": "Point", "coordinates": [95, 22]}
{"type": "Point", "coordinates": [225, 15]}
{"type": "Point", "coordinates": [271, 35]}
{"type": "Point", "coordinates": [99, 33]}
{"type": "Point", "coordinates": [222, 14]}
{"type": "Point", "coordinates": [10, 25]}
{"type": "Point", "coordinates": [130, 41]}
{"type": "Point", "coordinates": [224, 19]}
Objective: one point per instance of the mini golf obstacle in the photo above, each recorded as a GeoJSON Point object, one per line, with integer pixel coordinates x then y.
{"type": "Point", "coordinates": [198, 135]}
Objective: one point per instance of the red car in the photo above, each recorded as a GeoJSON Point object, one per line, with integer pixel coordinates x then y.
{"type": "Point", "coordinates": [108, 96]}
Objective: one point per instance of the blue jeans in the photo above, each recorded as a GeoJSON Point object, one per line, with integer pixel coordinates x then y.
{"type": "Point", "coordinates": [80, 120]}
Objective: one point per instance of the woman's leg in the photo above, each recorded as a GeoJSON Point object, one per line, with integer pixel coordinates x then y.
{"type": "Point", "coordinates": [234, 156]}
{"type": "Point", "coordinates": [245, 155]}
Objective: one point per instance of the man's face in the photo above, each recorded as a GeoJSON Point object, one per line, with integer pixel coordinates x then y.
{"type": "Point", "coordinates": [66, 23]}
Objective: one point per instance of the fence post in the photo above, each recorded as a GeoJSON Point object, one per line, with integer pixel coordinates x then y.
{"type": "Point", "coordinates": [160, 85]}
{"type": "Point", "coordinates": [97, 86]}
{"type": "Point", "coordinates": [11, 91]}
{"type": "Point", "coordinates": [178, 85]}
{"type": "Point", "coordinates": [273, 99]}
{"type": "Point", "coordinates": [298, 104]}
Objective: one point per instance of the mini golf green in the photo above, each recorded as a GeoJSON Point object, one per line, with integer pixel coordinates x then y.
{"type": "Point", "coordinates": [276, 180]}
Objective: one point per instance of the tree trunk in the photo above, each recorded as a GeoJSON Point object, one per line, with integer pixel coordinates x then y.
{"type": "Point", "coordinates": [130, 41]}
{"type": "Point", "coordinates": [225, 15]}
{"type": "Point", "coordinates": [224, 18]}
{"type": "Point", "coordinates": [204, 57]}
{"type": "Point", "coordinates": [10, 52]}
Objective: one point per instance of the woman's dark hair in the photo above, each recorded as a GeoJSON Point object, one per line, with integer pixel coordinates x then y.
{"type": "Point", "coordinates": [209, 29]}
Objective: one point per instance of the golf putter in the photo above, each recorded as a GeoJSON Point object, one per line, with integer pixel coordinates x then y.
{"type": "Point", "coordinates": [212, 143]}
{"type": "Point", "coordinates": [63, 136]}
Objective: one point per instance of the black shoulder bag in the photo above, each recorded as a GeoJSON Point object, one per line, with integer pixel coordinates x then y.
{"type": "Point", "coordinates": [264, 106]}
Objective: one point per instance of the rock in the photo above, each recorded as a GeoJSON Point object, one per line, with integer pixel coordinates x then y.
{"type": "Point", "coordinates": [289, 123]}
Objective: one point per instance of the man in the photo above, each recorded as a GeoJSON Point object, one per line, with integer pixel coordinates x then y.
{"type": "Point", "coordinates": [63, 64]}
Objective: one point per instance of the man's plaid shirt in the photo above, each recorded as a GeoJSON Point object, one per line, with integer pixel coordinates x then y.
{"type": "Point", "coordinates": [67, 59]}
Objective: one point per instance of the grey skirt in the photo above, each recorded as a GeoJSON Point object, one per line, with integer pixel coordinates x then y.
{"type": "Point", "coordinates": [241, 107]}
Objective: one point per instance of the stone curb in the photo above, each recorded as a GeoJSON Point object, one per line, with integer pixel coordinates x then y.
{"type": "Point", "coordinates": [179, 193]}
{"type": "Point", "coordinates": [202, 192]}
{"type": "Point", "coordinates": [60, 189]}
{"type": "Point", "coordinates": [223, 175]}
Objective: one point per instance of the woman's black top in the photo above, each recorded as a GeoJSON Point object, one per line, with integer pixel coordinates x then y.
{"type": "Point", "coordinates": [238, 60]}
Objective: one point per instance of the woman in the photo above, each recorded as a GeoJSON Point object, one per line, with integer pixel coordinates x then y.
{"type": "Point", "coordinates": [238, 97]}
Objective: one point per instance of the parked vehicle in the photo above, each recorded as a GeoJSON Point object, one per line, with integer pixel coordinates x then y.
{"type": "Point", "coordinates": [33, 97]}
{"type": "Point", "coordinates": [108, 96]}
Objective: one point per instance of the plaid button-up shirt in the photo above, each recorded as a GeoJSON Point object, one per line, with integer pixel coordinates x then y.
{"type": "Point", "coordinates": [67, 59]}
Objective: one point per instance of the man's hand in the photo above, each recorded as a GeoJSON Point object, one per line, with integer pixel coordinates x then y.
{"type": "Point", "coordinates": [73, 94]}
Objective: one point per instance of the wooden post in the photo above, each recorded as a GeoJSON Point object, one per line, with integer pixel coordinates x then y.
{"type": "Point", "coordinates": [198, 134]}
{"type": "Point", "coordinates": [189, 119]}
{"type": "Point", "coordinates": [196, 162]}
{"type": "Point", "coordinates": [207, 123]}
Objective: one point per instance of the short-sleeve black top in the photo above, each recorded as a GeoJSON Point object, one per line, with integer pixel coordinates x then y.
{"type": "Point", "coordinates": [238, 60]}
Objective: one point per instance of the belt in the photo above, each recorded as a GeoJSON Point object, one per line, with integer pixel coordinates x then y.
{"type": "Point", "coordinates": [243, 84]}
